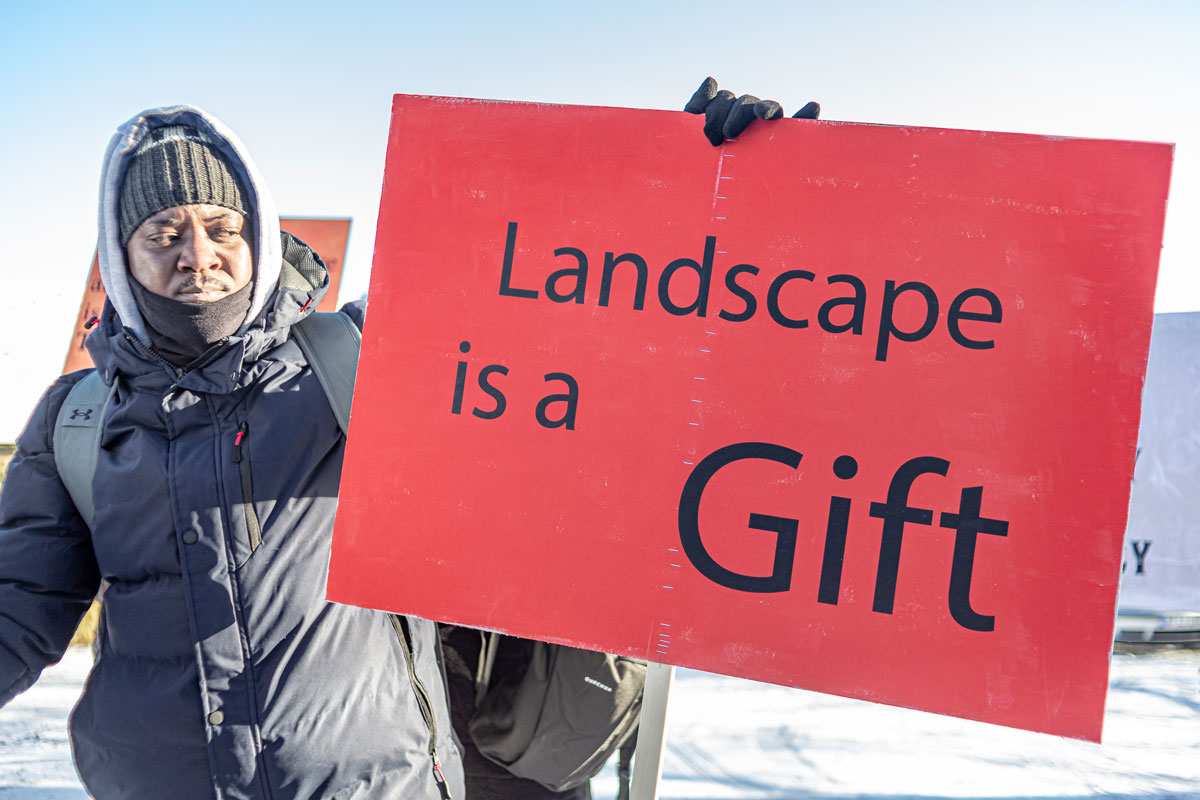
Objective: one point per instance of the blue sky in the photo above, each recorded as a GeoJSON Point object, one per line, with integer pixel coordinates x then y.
{"type": "Point", "coordinates": [307, 86]}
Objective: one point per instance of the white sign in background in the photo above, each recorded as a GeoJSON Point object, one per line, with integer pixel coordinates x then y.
{"type": "Point", "coordinates": [1161, 571]}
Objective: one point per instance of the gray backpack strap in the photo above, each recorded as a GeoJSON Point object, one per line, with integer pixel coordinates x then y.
{"type": "Point", "coordinates": [77, 432]}
{"type": "Point", "coordinates": [330, 342]}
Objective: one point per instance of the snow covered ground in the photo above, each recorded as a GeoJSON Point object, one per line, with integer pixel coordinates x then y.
{"type": "Point", "coordinates": [35, 755]}
{"type": "Point", "coordinates": [730, 738]}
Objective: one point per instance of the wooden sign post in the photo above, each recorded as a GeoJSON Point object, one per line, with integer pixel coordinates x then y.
{"type": "Point", "coordinates": [652, 733]}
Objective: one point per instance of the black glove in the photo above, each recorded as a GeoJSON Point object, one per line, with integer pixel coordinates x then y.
{"type": "Point", "coordinates": [725, 116]}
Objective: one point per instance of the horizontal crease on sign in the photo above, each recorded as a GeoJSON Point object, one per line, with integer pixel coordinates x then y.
{"type": "Point", "coordinates": [668, 587]}
{"type": "Point", "coordinates": [665, 625]}
{"type": "Point", "coordinates": [695, 424]}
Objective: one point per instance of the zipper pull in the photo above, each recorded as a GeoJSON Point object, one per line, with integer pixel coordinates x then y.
{"type": "Point", "coordinates": [443, 787]}
{"type": "Point", "coordinates": [243, 432]}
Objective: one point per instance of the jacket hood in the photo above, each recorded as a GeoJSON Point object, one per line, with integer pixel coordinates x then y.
{"type": "Point", "coordinates": [114, 270]}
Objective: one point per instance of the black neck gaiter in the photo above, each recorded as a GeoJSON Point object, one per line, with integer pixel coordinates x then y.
{"type": "Point", "coordinates": [182, 332]}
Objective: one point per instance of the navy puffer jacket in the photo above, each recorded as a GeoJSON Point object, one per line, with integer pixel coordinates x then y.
{"type": "Point", "coordinates": [222, 670]}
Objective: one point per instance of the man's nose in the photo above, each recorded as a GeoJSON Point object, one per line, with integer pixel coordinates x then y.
{"type": "Point", "coordinates": [198, 254]}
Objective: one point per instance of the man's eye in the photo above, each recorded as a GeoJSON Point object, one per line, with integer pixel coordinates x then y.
{"type": "Point", "coordinates": [226, 233]}
{"type": "Point", "coordinates": [163, 238]}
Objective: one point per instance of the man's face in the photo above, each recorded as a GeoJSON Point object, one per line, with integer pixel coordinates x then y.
{"type": "Point", "coordinates": [195, 253]}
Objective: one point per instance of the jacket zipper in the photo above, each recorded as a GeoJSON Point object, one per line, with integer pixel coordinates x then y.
{"type": "Point", "coordinates": [425, 706]}
{"type": "Point", "coordinates": [252, 523]}
{"type": "Point", "coordinates": [176, 371]}
{"type": "Point", "coordinates": [179, 372]}
{"type": "Point", "coordinates": [243, 462]}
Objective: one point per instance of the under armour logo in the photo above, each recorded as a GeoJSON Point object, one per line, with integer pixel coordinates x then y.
{"type": "Point", "coordinates": [81, 413]}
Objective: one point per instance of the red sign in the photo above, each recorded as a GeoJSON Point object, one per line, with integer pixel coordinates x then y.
{"type": "Point", "coordinates": [328, 237]}
{"type": "Point", "coordinates": [839, 406]}
{"type": "Point", "coordinates": [89, 308]}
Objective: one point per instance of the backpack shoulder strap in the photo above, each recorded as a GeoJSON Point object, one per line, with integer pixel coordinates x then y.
{"type": "Point", "coordinates": [330, 342]}
{"type": "Point", "coordinates": [77, 432]}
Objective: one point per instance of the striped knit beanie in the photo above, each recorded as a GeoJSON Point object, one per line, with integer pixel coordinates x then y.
{"type": "Point", "coordinates": [177, 166]}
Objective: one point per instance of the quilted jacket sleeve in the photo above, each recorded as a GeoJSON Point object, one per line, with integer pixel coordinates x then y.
{"type": "Point", "coordinates": [48, 572]}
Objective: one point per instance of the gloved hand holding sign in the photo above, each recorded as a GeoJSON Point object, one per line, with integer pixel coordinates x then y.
{"type": "Point", "coordinates": [725, 115]}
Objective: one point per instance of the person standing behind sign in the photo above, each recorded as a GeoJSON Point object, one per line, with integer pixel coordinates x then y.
{"type": "Point", "coordinates": [486, 780]}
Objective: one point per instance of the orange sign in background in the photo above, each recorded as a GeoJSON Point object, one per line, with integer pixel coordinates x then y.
{"type": "Point", "coordinates": [89, 308]}
{"type": "Point", "coordinates": [328, 237]}
{"type": "Point", "coordinates": [838, 406]}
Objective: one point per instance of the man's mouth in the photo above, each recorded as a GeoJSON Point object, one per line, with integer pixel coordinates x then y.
{"type": "Point", "coordinates": [202, 294]}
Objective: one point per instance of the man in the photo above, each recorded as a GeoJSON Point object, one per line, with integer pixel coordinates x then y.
{"type": "Point", "coordinates": [221, 670]}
